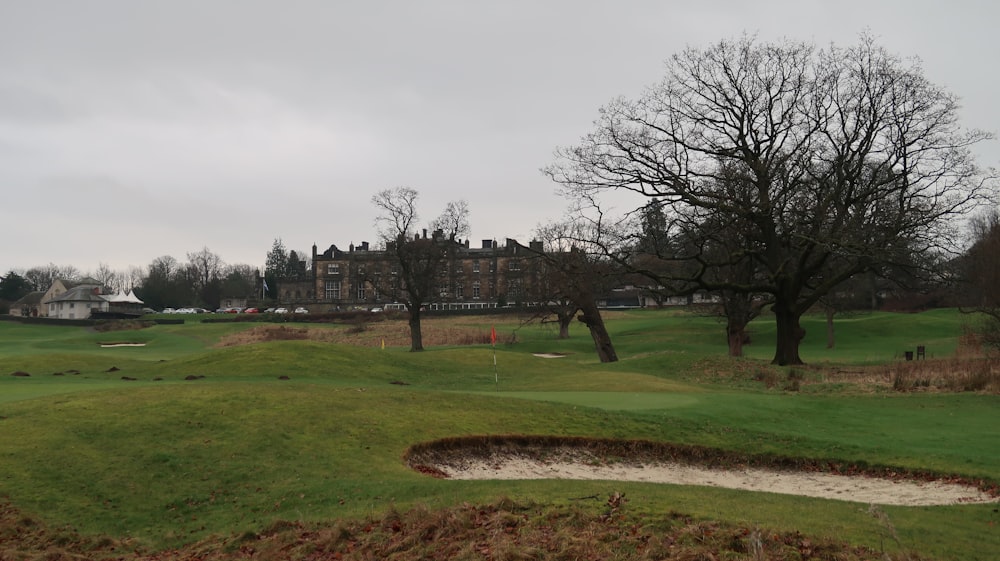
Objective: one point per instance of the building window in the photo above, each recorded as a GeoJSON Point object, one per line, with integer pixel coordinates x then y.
{"type": "Point", "coordinates": [361, 270]}
{"type": "Point", "coordinates": [459, 290]}
{"type": "Point", "coordinates": [514, 265]}
{"type": "Point", "coordinates": [493, 266]}
{"type": "Point", "coordinates": [361, 291]}
{"type": "Point", "coordinates": [475, 266]}
{"type": "Point", "coordinates": [475, 289]}
{"type": "Point", "coordinates": [514, 289]}
{"type": "Point", "coordinates": [333, 290]}
{"type": "Point", "coordinates": [333, 268]}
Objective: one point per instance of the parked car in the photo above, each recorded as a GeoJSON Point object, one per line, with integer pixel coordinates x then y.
{"type": "Point", "coordinates": [281, 310]}
{"type": "Point", "coordinates": [376, 310]}
{"type": "Point", "coordinates": [251, 311]}
{"type": "Point", "coordinates": [301, 310]}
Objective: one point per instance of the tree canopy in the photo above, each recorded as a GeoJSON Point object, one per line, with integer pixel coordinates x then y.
{"type": "Point", "coordinates": [814, 165]}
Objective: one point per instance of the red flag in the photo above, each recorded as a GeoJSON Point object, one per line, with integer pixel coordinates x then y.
{"type": "Point", "coordinates": [493, 335]}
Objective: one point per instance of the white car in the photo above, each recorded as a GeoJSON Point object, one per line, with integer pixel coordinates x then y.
{"type": "Point", "coordinates": [281, 310]}
{"type": "Point", "coordinates": [301, 310]}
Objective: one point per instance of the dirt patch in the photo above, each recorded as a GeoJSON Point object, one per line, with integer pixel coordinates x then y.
{"type": "Point", "coordinates": [520, 457]}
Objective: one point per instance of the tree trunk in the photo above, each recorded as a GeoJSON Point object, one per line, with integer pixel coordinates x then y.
{"type": "Point", "coordinates": [564, 321]}
{"type": "Point", "coordinates": [790, 334]}
{"type": "Point", "coordinates": [591, 317]}
{"type": "Point", "coordinates": [736, 334]}
{"type": "Point", "coordinates": [416, 337]}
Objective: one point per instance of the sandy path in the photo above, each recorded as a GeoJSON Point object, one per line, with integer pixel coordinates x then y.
{"type": "Point", "coordinates": [862, 489]}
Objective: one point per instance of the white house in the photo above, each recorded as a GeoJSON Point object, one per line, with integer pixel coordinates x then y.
{"type": "Point", "coordinates": [77, 302]}
{"type": "Point", "coordinates": [85, 300]}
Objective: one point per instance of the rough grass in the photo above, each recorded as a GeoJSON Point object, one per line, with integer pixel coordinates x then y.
{"type": "Point", "coordinates": [435, 332]}
{"type": "Point", "coordinates": [332, 434]}
{"type": "Point", "coordinates": [504, 530]}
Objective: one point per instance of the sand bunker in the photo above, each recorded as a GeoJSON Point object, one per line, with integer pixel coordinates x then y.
{"type": "Point", "coordinates": [862, 489]}
{"type": "Point", "coordinates": [580, 463]}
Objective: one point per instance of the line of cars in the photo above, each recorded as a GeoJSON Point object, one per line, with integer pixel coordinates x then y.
{"type": "Point", "coordinates": [233, 310]}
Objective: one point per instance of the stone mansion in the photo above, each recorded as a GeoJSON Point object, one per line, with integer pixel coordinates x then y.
{"type": "Point", "coordinates": [488, 276]}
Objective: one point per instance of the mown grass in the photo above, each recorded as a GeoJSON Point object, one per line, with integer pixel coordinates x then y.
{"type": "Point", "coordinates": [168, 461]}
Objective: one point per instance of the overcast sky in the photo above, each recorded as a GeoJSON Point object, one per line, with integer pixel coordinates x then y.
{"type": "Point", "coordinates": [133, 129]}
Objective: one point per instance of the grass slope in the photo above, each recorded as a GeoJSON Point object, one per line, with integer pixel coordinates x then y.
{"type": "Point", "coordinates": [167, 461]}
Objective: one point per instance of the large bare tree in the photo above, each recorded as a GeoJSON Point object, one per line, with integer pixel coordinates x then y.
{"type": "Point", "coordinates": [846, 159]}
{"type": "Point", "coordinates": [41, 278]}
{"type": "Point", "coordinates": [205, 269]}
{"type": "Point", "coordinates": [417, 259]}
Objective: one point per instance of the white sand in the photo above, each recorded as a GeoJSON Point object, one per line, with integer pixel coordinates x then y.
{"type": "Point", "coordinates": [823, 485]}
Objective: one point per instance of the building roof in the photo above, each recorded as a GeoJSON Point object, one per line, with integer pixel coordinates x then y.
{"type": "Point", "coordinates": [81, 293]}
{"type": "Point", "coordinates": [30, 299]}
{"type": "Point", "coordinates": [122, 298]}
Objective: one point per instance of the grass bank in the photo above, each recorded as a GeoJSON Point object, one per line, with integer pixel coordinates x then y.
{"type": "Point", "coordinates": [201, 440]}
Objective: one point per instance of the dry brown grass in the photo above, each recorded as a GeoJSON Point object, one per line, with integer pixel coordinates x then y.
{"type": "Point", "coordinates": [395, 332]}
{"type": "Point", "coordinates": [974, 368]}
{"type": "Point", "coordinates": [505, 530]}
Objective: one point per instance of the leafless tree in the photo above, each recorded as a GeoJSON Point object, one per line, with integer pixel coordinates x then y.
{"type": "Point", "coordinates": [207, 264]}
{"type": "Point", "coordinates": [454, 221]}
{"type": "Point", "coordinates": [546, 287]}
{"type": "Point", "coordinates": [850, 157]}
{"type": "Point", "coordinates": [572, 275]}
{"type": "Point", "coordinates": [205, 270]}
{"type": "Point", "coordinates": [166, 284]}
{"type": "Point", "coordinates": [417, 259]}
{"type": "Point", "coordinates": [108, 277]}
{"type": "Point", "coordinates": [41, 278]}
